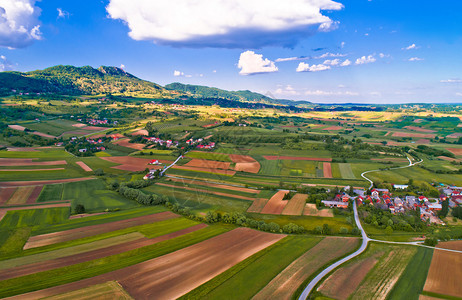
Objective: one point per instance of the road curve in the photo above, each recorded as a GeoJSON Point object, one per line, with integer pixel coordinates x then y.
{"type": "Point", "coordinates": [326, 271]}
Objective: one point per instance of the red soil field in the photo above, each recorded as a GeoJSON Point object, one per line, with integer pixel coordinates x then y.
{"type": "Point", "coordinates": [206, 191]}
{"type": "Point", "coordinates": [92, 254]}
{"type": "Point", "coordinates": [84, 166]}
{"type": "Point", "coordinates": [175, 274]}
{"type": "Point", "coordinates": [327, 170]}
{"type": "Point", "coordinates": [253, 167]}
{"type": "Point", "coordinates": [125, 143]}
{"type": "Point", "coordinates": [448, 158]}
{"type": "Point", "coordinates": [334, 128]}
{"type": "Point", "coordinates": [3, 211]}
{"type": "Point", "coordinates": [445, 273]}
{"type": "Point", "coordinates": [93, 128]}
{"type": "Point", "coordinates": [455, 151]}
{"type": "Point", "coordinates": [274, 157]}
{"type": "Point", "coordinates": [79, 125]}
{"type": "Point", "coordinates": [5, 194]}
{"type": "Point", "coordinates": [275, 205]}
{"type": "Point", "coordinates": [17, 127]}
{"type": "Point", "coordinates": [419, 129]}
{"type": "Point", "coordinates": [221, 186]}
{"type": "Point", "coordinates": [205, 138]}
{"type": "Point", "coordinates": [209, 125]}
{"type": "Point", "coordinates": [453, 245]}
{"type": "Point", "coordinates": [209, 170]}
{"type": "Point", "coordinates": [417, 135]}
{"type": "Point", "coordinates": [210, 164]}
{"type": "Point", "coordinates": [388, 133]}
{"type": "Point", "coordinates": [257, 205]}
{"type": "Point", "coordinates": [423, 142]}
{"type": "Point", "coordinates": [343, 282]}
{"type": "Point", "coordinates": [455, 135]}
{"type": "Point", "coordinates": [17, 162]}
{"type": "Point", "coordinates": [78, 233]}
{"type": "Point", "coordinates": [296, 205]}
{"type": "Point", "coordinates": [35, 194]}
{"type": "Point", "coordinates": [133, 164]}
{"type": "Point", "coordinates": [237, 158]}
{"type": "Point", "coordinates": [116, 135]}
{"type": "Point", "coordinates": [42, 182]}
{"type": "Point", "coordinates": [141, 132]}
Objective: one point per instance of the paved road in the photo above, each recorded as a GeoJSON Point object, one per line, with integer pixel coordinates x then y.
{"type": "Point", "coordinates": [172, 164]}
{"type": "Point", "coordinates": [365, 240]}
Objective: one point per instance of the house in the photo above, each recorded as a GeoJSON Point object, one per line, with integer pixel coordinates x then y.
{"type": "Point", "coordinates": [345, 198]}
{"type": "Point", "coordinates": [331, 204]}
{"type": "Point", "coordinates": [447, 191]}
{"type": "Point", "coordinates": [375, 194]}
{"type": "Point", "coordinates": [433, 206]}
{"type": "Point", "coordinates": [398, 202]}
{"type": "Point", "coordinates": [400, 186]}
{"type": "Point", "coordinates": [383, 191]}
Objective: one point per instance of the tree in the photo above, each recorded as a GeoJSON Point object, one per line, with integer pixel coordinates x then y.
{"type": "Point", "coordinates": [325, 229]}
{"type": "Point", "coordinates": [99, 172]}
{"type": "Point", "coordinates": [79, 209]}
{"type": "Point", "coordinates": [432, 242]}
{"type": "Point", "coordinates": [388, 230]}
{"type": "Point", "coordinates": [444, 209]}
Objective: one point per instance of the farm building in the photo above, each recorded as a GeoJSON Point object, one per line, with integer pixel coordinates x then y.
{"type": "Point", "coordinates": [331, 204]}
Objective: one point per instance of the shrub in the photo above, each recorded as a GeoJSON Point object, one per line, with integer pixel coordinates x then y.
{"type": "Point", "coordinates": [79, 209]}
{"type": "Point", "coordinates": [432, 242]}
{"type": "Point", "coordinates": [343, 230]}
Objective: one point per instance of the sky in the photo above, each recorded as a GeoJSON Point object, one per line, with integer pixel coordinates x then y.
{"type": "Point", "coordinates": [324, 51]}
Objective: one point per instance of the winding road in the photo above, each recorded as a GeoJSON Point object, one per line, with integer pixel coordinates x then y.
{"type": "Point", "coordinates": [365, 240]}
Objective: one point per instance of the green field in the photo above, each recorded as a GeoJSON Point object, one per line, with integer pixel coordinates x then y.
{"type": "Point", "coordinates": [346, 171]}
{"type": "Point", "coordinates": [410, 284]}
{"type": "Point", "coordinates": [32, 217]}
{"type": "Point", "coordinates": [242, 281]}
{"type": "Point", "coordinates": [51, 192]}
{"type": "Point", "coordinates": [209, 156]}
{"type": "Point", "coordinates": [94, 196]}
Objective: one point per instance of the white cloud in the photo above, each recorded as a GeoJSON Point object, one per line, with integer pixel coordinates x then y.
{"type": "Point", "coordinates": [342, 44]}
{"type": "Point", "coordinates": [5, 64]}
{"type": "Point", "coordinates": [328, 54]}
{"type": "Point", "coordinates": [382, 55]}
{"type": "Point", "coordinates": [177, 73]}
{"type": "Point", "coordinates": [330, 93]}
{"type": "Point", "coordinates": [365, 60]}
{"type": "Point", "coordinates": [214, 71]}
{"type": "Point", "coordinates": [452, 80]}
{"type": "Point", "coordinates": [415, 59]}
{"type": "Point", "coordinates": [333, 62]}
{"type": "Point", "coordinates": [291, 58]}
{"type": "Point", "coordinates": [19, 25]}
{"type": "Point", "coordinates": [303, 67]}
{"type": "Point", "coordinates": [346, 63]}
{"type": "Point", "coordinates": [223, 23]}
{"type": "Point", "coordinates": [287, 90]}
{"type": "Point", "coordinates": [122, 66]}
{"type": "Point", "coordinates": [410, 47]}
{"type": "Point", "coordinates": [62, 13]}
{"type": "Point", "coordinates": [251, 63]}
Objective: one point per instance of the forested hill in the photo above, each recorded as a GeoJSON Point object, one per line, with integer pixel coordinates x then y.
{"type": "Point", "coordinates": [72, 80]}
{"type": "Point", "coordinates": [211, 92]}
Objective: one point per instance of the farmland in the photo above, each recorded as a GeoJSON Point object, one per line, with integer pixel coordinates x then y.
{"type": "Point", "coordinates": [244, 196]}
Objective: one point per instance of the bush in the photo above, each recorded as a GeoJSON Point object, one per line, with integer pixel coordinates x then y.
{"type": "Point", "coordinates": [99, 172]}
{"type": "Point", "coordinates": [292, 228]}
{"type": "Point", "coordinates": [388, 230]}
{"type": "Point", "coordinates": [343, 230]}
{"type": "Point", "coordinates": [355, 231]}
{"type": "Point", "coordinates": [79, 209]}
{"type": "Point", "coordinates": [432, 242]}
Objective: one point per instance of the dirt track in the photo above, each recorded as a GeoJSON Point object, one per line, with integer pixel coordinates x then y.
{"type": "Point", "coordinates": [175, 274]}
{"type": "Point", "coordinates": [91, 255]}
{"type": "Point", "coordinates": [78, 233]}
{"type": "Point", "coordinates": [41, 182]}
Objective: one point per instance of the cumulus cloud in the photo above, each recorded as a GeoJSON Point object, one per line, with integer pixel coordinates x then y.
{"type": "Point", "coordinates": [346, 63]}
{"type": "Point", "coordinates": [452, 80]}
{"type": "Point", "coordinates": [177, 73]}
{"type": "Point", "coordinates": [19, 25]}
{"type": "Point", "coordinates": [365, 60]}
{"type": "Point", "coordinates": [328, 54]}
{"type": "Point", "coordinates": [5, 64]}
{"type": "Point", "coordinates": [62, 13]}
{"type": "Point", "coordinates": [415, 59]}
{"type": "Point", "coordinates": [303, 67]}
{"type": "Point", "coordinates": [333, 62]}
{"type": "Point", "coordinates": [251, 63]}
{"type": "Point", "coordinates": [223, 23]}
{"type": "Point", "coordinates": [410, 47]}
{"type": "Point", "coordinates": [287, 90]}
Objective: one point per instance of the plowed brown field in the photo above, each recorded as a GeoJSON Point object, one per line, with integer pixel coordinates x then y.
{"type": "Point", "coordinates": [327, 170]}
{"type": "Point", "coordinates": [5, 194]}
{"type": "Point", "coordinates": [221, 186]}
{"type": "Point", "coordinates": [257, 205]}
{"type": "Point", "coordinates": [420, 129]}
{"type": "Point", "coordinates": [78, 233]}
{"type": "Point", "coordinates": [42, 182]}
{"type": "Point", "coordinates": [417, 135]}
{"type": "Point", "coordinates": [275, 205]}
{"type": "Point", "coordinates": [455, 151]}
{"type": "Point", "coordinates": [445, 273]}
{"type": "Point", "coordinates": [17, 162]}
{"type": "Point", "coordinates": [125, 143]}
{"type": "Point", "coordinates": [296, 205]}
{"type": "Point", "coordinates": [311, 210]}
{"type": "Point", "coordinates": [134, 164]}
{"type": "Point", "coordinates": [84, 166]}
{"type": "Point", "coordinates": [175, 274]}
{"type": "Point", "coordinates": [209, 164]}
{"type": "Point", "coordinates": [35, 194]}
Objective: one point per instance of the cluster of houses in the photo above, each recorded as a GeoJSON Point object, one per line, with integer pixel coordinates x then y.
{"type": "Point", "coordinates": [382, 197]}
{"type": "Point", "coordinates": [201, 144]}
{"type": "Point", "coordinates": [161, 142]}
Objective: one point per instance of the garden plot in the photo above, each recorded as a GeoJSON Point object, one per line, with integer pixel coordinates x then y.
{"type": "Point", "coordinates": [276, 204]}
{"type": "Point", "coordinates": [296, 205]}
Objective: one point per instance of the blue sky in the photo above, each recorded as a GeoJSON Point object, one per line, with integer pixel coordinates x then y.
{"type": "Point", "coordinates": [379, 51]}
